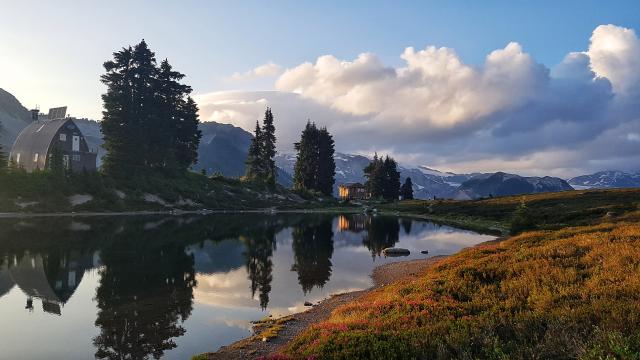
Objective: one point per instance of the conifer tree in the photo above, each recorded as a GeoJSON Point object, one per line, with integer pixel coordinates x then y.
{"type": "Point", "coordinates": [383, 178]}
{"type": "Point", "coordinates": [326, 163]}
{"type": "Point", "coordinates": [149, 120]}
{"type": "Point", "coordinates": [306, 168]}
{"type": "Point", "coordinates": [253, 163]}
{"type": "Point", "coordinates": [374, 173]}
{"type": "Point", "coordinates": [391, 179]}
{"type": "Point", "coordinates": [406, 191]}
{"type": "Point", "coordinates": [269, 147]}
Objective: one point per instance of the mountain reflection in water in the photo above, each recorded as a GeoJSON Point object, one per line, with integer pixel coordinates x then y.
{"type": "Point", "coordinates": [150, 274]}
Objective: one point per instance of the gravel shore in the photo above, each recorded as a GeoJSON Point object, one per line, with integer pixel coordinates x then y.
{"type": "Point", "coordinates": [252, 348]}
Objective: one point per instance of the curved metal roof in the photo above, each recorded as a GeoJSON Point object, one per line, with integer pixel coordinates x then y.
{"type": "Point", "coordinates": [35, 139]}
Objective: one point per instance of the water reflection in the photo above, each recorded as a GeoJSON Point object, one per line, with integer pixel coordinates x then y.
{"type": "Point", "coordinates": [149, 274]}
{"type": "Point", "coordinates": [313, 248]}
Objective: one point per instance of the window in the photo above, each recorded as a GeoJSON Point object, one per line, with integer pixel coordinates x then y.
{"type": "Point", "coordinates": [76, 157]}
{"type": "Point", "coordinates": [65, 161]}
{"type": "Point", "coordinates": [63, 137]}
{"type": "Point", "coordinates": [75, 145]}
{"type": "Point", "coordinates": [18, 158]}
{"type": "Point", "coordinates": [35, 157]}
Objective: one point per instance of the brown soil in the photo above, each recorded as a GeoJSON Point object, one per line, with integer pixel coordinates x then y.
{"type": "Point", "coordinates": [254, 347]}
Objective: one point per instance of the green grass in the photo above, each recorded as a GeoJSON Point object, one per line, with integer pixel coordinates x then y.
{"type": "Point", "coordinates": [546, 210]}
{"type": "Point", "coordinates": [46, 192]}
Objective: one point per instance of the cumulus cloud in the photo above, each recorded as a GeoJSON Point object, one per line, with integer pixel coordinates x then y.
{"type": "Point", "coordinates": [509, 113]}
{"type": "Point", "coordinates": [265, 70]}
{"type": "Point", "coordinates": [615, 54]}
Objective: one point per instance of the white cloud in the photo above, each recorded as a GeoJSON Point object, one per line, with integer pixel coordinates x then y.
{"type": "Point", "coordinates": [265, 70]}
{"type": "Point", "coordinates": [615, 54]}
{"type": "Point", "coordinates": [509, 113]}
{"type": "Point", "coordinates": [435, 88]}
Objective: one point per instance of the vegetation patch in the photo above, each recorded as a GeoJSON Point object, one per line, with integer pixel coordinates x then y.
{"type": "Point", "coordinates": [559, 293]}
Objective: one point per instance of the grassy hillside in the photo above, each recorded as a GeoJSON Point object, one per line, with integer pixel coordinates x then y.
{"type": "Point", "coordinates": [570, 291]}
{"type": "Point", "coordinates": [41, 192]}
{"type": "Point", "coordinates": [546, 210]}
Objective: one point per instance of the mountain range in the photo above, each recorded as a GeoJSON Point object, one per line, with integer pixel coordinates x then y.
{"type": "Point", "coordinates": [223, 149]}
{"type": "Point", "coordinates": [606, 179]}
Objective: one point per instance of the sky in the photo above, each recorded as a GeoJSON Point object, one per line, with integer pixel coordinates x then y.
{"type": "Point", "coordinates": [537, 88]}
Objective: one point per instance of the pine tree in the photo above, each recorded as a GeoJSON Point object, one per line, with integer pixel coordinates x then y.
{"type": "Point", "coordinates": [383, 178]}
{"type": "Point", "coordinates": [269, 147]}
{"type": "Point", "coordinates": [188, 135]}
{"type": "Point", "coordinates": [406, 191]}
{"type": "Point", "coordinates": [391, 179]}
{"type": "Point", "coordinates": [326, 164]}
{"type": "Point", "coordinates": [306, 168]}
{"type": "Point", "coordinates": [374, 173]}
{"type": "Point", "coordinates": [253, 163]}
{"type": "Point", "coordinates": [149, 120]}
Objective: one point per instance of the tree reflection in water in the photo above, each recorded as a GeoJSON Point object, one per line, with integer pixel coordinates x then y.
{"type": "Point", "coordinates": [147, 275]}
{"type": "Point", "coordinates": [144, 295]}
{"type": "Point", "coordinates": [381, 233]}
{"type": "Point", "coordinates": [260, 244]}
{"type": "Point", "coordinates": [313, 248]}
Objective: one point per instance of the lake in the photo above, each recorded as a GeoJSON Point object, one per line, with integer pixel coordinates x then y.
{"type": "Point", "coordinates": [171, 287]}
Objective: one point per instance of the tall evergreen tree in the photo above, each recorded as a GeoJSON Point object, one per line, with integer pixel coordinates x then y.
{"type": "Point", "coordinates": [406, 191]}
{"type": "Point", "coordinates": [149, 120]}
{"type": "Point", "coordinates": [374, 173]}
{"type": "Point", "coordinates": [391, 179]}
{"type": "Point", "coordinates": [383, 178]}
{"type": "Point", "coordinates": [269, 147]}
{"type": "Point", "coordinates": [254, 170]}
{"type": "Point", "coordinates": [326, 163]}
{"type": "Point", "coordinates": [306, 168]}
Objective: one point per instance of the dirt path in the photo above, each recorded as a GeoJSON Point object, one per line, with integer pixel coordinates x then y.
{"type": "Point", "coordinates": [252, 348]}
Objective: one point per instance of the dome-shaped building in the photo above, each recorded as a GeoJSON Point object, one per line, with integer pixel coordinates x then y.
{"type": "Point", "coordinates": [34, 147]}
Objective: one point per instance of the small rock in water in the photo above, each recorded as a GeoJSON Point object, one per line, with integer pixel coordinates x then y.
{"type": "Point", "coordinates": [306, 303]}
{"type": "Point", "coordinates": [424, 252]}
{"type": "Point", "coordinates": [396, 252]}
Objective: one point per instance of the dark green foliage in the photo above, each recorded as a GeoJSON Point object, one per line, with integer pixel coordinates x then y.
{"type": "Point", "coordinates": [56, 164]}
{"type": "Point", "coordinates": [406, 191]}
{"type": "Point", "coordinates": [269, 148]}
{"type": "Point", "coordinates": [149, 121]}
{"type": "Point", "coordinates": [255, 170]}
{"type": "Point", "coordinates": [315, 167]}
{"type": "Point", "coordinates": [383, 178]}
{"type": "Point", "coordinates": [260, 163]}
{"type": "Point", "coordinates": [305, 169]}
{"type": "Point", "coordinates": [326, 163]}
{"type": "Point", "coordinates": [521, 220]}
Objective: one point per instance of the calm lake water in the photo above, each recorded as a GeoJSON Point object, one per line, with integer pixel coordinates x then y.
{"type": "Point", "coordinates": [171, 287]}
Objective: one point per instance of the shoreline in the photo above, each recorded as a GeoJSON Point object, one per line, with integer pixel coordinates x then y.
{"type": "Point", "coordinates": [254, 347]}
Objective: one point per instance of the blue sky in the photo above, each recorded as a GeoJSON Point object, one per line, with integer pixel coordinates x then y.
{"type": "Point", "coordinates": [51, 54]}
{"type": "Point", "coordinates": [59, 46]}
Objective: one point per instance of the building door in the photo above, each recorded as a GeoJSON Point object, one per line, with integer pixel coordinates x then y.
{"type": "Point", "coordinates": [76, 143]}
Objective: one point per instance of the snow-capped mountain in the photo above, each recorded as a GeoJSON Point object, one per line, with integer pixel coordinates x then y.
{"type": "Point", "coordinates": [503, 184]}
{"type": "Point", "coordinates": [606, 179]}
{"type": "Point", "coordinates": [427, 183]}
